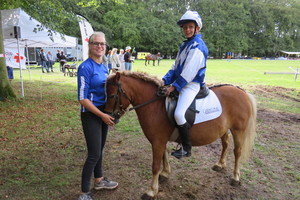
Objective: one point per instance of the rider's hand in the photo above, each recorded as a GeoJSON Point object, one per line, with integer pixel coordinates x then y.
{"type": "Point", "coordinates": [170, 89]}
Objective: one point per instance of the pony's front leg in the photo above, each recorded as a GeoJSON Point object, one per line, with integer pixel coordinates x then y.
{"type": "Point", "coordinates": [158, 153]}
{"type": "Point", "coordinates": [166, 171]}
{"type": "Point", "coordinates": [222, 162]}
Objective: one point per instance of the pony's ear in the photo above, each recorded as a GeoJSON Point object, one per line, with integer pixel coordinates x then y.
{"type": "Point", "coordinates": [118, 76]}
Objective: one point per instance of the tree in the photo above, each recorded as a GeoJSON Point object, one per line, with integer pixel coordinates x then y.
{"type": "Point", "coordinates": [6, 90]}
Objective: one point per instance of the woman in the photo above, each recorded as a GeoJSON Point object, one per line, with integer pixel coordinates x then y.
{"type": "Point", "coordinates": [109, 61]}
{"type": "Point", "coordinates": [114, 59]}
{"type": "Point", "coordinates": [187, 75]}
{"type": "Point", "coordinates": [92, 74]}
{"type": "Point", "coordinates": [121, 59]}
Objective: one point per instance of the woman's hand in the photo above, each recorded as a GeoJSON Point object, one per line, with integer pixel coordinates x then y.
{"type": "Point", "coordinates": [107, 119]}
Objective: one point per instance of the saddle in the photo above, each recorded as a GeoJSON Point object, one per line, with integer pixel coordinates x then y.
{"type": "Point", "coordinates": [191, 111]}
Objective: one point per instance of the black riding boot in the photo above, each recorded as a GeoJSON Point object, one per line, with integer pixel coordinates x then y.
{"type": "Point", "coordinates": [185, 150]}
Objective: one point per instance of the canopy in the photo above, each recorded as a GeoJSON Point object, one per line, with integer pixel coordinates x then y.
{"type": "Point", "coordinates": [291, 52]}
{"type": "Point", "coordinates": [28, 36]}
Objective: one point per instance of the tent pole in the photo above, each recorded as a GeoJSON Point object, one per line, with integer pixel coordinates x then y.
{"type": "Point", "coordinates": [20, 66]}
{"type": "Point", "coordinates": [77, 52]}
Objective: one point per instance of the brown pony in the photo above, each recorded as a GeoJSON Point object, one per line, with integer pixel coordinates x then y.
{"type": "Point", "coordinates": [140, 90]}
{"type": "Point", "coordinates": [153, 57]}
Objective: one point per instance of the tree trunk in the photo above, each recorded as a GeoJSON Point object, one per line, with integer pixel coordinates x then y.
{"type": "Point", "coordinates": [6, 91]}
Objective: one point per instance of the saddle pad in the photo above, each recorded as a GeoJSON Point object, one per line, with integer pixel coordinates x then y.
{"type": "Point", "coordinates": [209, 108]}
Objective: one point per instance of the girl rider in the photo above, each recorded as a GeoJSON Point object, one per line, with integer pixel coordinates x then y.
{"type": "Point", "coordinates": [187, 75]}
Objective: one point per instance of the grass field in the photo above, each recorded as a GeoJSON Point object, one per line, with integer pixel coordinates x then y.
{"type": "Point", "coordinates": [241, 72]}
{"type": "Point", "coordinates": [248, 74]}
{"type": "Point", "coordinates": [42, 147]}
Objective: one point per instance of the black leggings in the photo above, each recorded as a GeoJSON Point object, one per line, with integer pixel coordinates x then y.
{"type": "Point", "coordinates": [95, 132]}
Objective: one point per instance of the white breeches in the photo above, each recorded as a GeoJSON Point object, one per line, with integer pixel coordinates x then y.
{"type": "Point", "coordinates": [186, 97]}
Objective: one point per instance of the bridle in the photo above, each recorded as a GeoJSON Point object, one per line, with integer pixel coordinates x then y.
{"type": "Point", "coordinates": [118, 101]}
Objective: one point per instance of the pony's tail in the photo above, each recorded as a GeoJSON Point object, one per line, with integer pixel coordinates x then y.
{"type": "Point", "coordinates": [250, 132]}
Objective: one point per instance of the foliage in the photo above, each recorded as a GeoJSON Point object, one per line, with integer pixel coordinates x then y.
{"type": "Point", "coordinates": [245, 27]}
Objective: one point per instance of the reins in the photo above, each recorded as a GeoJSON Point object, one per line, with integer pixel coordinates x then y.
{"type": "Point", "coordinates": [147, 102]}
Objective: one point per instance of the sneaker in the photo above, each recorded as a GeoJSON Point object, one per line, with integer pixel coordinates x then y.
{"type": "Point", "coordinates": [86, 196]}
{"type": "Point", "coordinates": [105, 184]}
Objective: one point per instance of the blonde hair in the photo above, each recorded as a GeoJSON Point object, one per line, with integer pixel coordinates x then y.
{"type": "Point", "coordinates": [114, 51]}
{"type": "Point", "coordinates": [92, 37]}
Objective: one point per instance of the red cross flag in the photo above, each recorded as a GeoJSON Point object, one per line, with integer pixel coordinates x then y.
{"type": "Point", "coordinates": [13, 59]}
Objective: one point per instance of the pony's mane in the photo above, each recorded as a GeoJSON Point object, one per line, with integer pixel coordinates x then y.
{"type": "Point", "coordinates": [144, 77]}
{"type": "Point", "coordinates": [221, 85]}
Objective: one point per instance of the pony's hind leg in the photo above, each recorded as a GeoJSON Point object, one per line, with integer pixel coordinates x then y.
{"type": "Point", "coordinates": [238, 143]}
{"type": "Point", "coordinates": [222, 161]}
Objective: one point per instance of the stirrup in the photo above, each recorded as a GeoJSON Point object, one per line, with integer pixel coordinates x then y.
{"type": "Point", "coordinates": [180, 153]}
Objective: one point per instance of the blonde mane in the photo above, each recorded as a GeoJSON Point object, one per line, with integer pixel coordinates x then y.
{"type": "Point", "coordinates": [143, 76]}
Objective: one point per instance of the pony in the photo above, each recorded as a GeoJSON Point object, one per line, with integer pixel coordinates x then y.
{"type": "Point", "coordinates": [153, 57]}
{"type": "Point", "coordinates": [139, 89]}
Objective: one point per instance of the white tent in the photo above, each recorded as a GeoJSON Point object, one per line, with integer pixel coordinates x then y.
{"type": "Point", "coordinates": [30, 35]}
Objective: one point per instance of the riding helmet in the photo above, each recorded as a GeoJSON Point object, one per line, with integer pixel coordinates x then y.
{"type": "Point", "coordinates": [190, 16]}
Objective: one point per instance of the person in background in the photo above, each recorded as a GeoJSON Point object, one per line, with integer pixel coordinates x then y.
{"type": "Point", "coordinates": [127, 58]}
{"type": "Point", "coordinates": [105, 60]}
{"type": "Point", "coordinates": [44, 61]}
{"type": "Point", "coordinates": [186, 75]}
{"type": "Point", "coordinates": [58, 59]}
{"type": "Point", "coordinates": [10, 73]}
{"type": "Point", "coordinates": [92, 74]}
{"type": "Point", "coordinates": [114, 59]}
{"type": "Point", "coordinates": [121, 59]}
{"type": "Point", "coordinates": [63, 61]}
{"type": "Point", "coordinates": [109, 61]}
{"type": "Point", "coordinates": [50, 61]}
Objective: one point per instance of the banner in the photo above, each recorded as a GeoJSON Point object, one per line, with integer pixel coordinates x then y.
{"type": "Point", "coordinates": [12, 58]}
{"type": "Point", "coordinates": [86, 31]}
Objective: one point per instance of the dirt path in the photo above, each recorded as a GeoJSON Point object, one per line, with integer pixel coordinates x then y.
{"type": "Point", "coordinates": [272, 173]}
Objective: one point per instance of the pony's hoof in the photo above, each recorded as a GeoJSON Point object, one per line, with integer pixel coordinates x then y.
{"type": "Point", "coordinates": [217, 168]}
{"type": "Point", "coordinates": [146, 197]}
{"type": "Point", "coordinates": [235, 183]}
{"type": "Point", "coordinates": [162, 179]}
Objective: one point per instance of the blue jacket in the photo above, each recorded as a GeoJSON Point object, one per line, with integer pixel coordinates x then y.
{"type": "Point", "coordinates": [190, 64]}
{"type": "Point", "coordinates": [91, 82]}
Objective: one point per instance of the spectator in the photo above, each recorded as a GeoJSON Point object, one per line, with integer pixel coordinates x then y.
{"type": "Point", "coordinates": [108, 61]}
{"type": "Point", "coordinates": [105, 60]}
{"type": "Point", "coordinates": [63, 60]}
{"type": "Point", "coordinates": [44, 61]}
{"type": "Point", "coordinates": [121, 59]}
{"type": "Point", "coordinates": [114, 59]}
{"type": "Point", "coordinates": [58, 55]}
{"type": "Point", "coordinates": [127, 59]}
{"type": "Point", "coordinates": [50, 61]}
{"type": "Point", "coordinates": [10, 73]}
